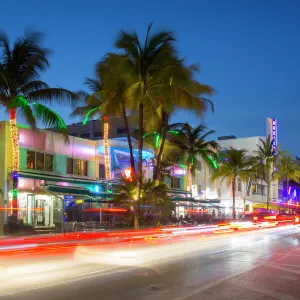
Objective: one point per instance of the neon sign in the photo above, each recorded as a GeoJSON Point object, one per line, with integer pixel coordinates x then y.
{"type": "Point", "coordinates": [274, 134]}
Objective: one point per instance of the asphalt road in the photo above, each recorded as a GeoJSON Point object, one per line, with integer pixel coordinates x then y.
{"type": "Point", "coordinates": [261, 264]}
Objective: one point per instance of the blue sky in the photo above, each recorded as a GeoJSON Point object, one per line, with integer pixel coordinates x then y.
{"type": "Point", "coordinates": [247, 50]}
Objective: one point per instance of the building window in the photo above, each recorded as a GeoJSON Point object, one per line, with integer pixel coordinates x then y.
{"type": "Point", "coordinates": [175, 182]}
{"type": "Point", "coordinates": [85, 135]}
{"type": "Point", "coordinates": [30, 160]}
{"type": "Point", "coordinates": [76, 167]}
{"type": "Point", "coordinates": [239, 185]}
{"type": "Point", "coordinates": [101, 171]}
{"type": "Point", "coordinates": [258, 189]}
{"type": "Point", "coordinates": [121, 130]}
{"type": "Point", "coordinates": [48, 162]}
{"type": "Point", "coordinates": [39, 161]}
{"type": "Point", "coordinates": [98, 134]}
{"type": "Point", "coordinates": [69, 165]}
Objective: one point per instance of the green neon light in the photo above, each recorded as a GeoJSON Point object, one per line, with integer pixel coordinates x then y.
{"type": "Point", "coordinates": [62, 124]}
{"type": "Point", "coordinates": [157, 141]}
{"type": "Point", "coordinates": [173, 131]}
{"type": "Point", "coordinates": [88, 114]}
{"type": "Point", "coordinates": [23, 100]}
{"type": "Point", "coordinates": [193, 160]}
{"type": "Point", "coordinates": [214, 163]}
{"type": "Point", "coordinates": [148, 133]}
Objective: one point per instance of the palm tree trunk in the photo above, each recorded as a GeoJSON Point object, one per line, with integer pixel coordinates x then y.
{"type": "Point", "coordinates": [15, 149]}
{"type": "Point", "coordinates": [190, 177]}
{"type": "Point", "coordinates": [140, 151]}
{"type": "Point", "coordinates": [233, 198]}
{"type": "Point", "coordinates": [268, 195]}
{"type": "Point", "coordinates": [132, 164]}
{"type": "Point", "coordinates": [161, 148]}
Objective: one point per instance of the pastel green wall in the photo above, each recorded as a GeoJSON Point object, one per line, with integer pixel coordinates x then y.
{"type": "Point", "coordinates": [167, 180]}
{"type": "Point", "coordinates": [60, 164]}
{"type": "Point", "coordinates": [91, 169]}
{"type": "Point", "coordinates": [23, 158]}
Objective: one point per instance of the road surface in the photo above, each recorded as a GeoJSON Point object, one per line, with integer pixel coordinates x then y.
{"type": "Point", "coordinates": [262, 264]}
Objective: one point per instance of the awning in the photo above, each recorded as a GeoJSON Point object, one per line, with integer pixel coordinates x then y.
{"type": "Point", "coordinates": [57, 178]}
{"type": "Point", "coordinates": [187, 199]}
{"type": "Point", "coordinates": [79, 191]}
{"type": "Point", "coordinates": [178, 191]}
{"type": "Point", "coordinates": [68, 190]}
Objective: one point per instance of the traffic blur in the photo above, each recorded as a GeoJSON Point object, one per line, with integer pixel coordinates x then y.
{"type": "Point", "coordinates": [65, 242]}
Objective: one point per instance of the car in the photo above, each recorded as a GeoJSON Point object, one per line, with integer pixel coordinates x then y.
{"type": "Point", "coordinates": [258, 217]}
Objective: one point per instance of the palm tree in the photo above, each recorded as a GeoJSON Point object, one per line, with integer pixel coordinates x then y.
{"type": "Point", "coordinates": [142, 64]}
{"type": "Point", "coordinates": [287, 170]}
{"type": "Point", "coordinates": [108, 97]}
{"type": "Point", "coordinates": [234, 164]}
{"type": "Point", "coordinates": [265, 156]}
{"type": "Point", "coordinates": [192, 142]}
{"type": "Point", "coordinates": [21, 89]}
{"type": "Point", "coordinates": [153, 194]}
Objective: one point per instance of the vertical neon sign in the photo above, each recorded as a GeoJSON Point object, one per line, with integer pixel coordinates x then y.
{"type": "Point", "coordinates": [274, 134]}
{"type": "Point", "coordinates": [106, 150]}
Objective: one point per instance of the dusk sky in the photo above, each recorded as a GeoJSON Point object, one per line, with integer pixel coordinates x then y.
{"type": "Point", "coordinates": [249, 51]}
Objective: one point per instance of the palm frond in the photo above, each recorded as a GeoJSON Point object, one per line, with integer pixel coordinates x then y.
{"type": "Point", "coordinates": [49, 117]}
{"type": "Point", "coordinates": [27, 113]}
{"type": "Point", "coordinates": [93, 84]}
{"type": "Point", "coordinates": [53, 95]}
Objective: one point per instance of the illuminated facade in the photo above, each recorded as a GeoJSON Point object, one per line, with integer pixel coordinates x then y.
{"type": "Point", "coordinates": [248, 193]}
{"type": "Point", "coordinates": [52, 172]}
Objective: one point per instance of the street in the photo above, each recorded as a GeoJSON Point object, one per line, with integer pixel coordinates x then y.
{"type": "Point", "coordinates": [260, 264]}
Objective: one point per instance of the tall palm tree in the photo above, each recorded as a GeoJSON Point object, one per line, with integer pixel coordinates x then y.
{"type": "Point", "coordinates": [287, 170]}
{"type": "Point", "coordinates": [234, 164]}
{"type": "Point", "coordinates": [265, 156]}
{"type": "Point", "coordinates": [21, 89]}
{"type": "Point", "coordinates": [192, 142]}
{"type": "Point", "coordinates": [142, 64]}
{"type": "Point", "coordinates": [116, 102]}
{"type": "Point", "coordinates": [107, 97]}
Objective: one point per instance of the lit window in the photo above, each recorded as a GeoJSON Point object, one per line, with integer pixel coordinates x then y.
{"type": "Point", "coordinates": [39, 161]}
{"type": "Point", "coordinates": [48, 162]}
{"type": "Point", "coordinates": [30, 160]}
{"type": "Point", "coordinates": [40, 164]}
{"type": "Point", "coordinates": [77, 167]}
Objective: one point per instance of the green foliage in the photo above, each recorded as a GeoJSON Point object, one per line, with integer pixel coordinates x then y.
{"type": "Point", "coordinates": [153, 193]}
{"type": "Point", "coordinates": [20, 84]}
{"type": "Point", "coordinates": [287, 169]}
{"type": "Point", "coordinates": [193, 145]}
{"type": "Point", "coordinates": [235, 164]}
{"type": "Point", "coordinates": [265, 156]}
